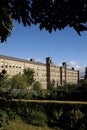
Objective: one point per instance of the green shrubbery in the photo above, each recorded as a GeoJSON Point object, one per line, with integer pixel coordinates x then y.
{"type": "Point", "coordinates": [3, 119]}
{"type": "Point", "coordinates": [38, 118]}
{"type": "Point", "coordinates": [68, 93]}
{"type": "Point", "coordinates": [64, 116]}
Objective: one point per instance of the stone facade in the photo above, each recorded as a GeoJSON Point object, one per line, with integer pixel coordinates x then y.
{"type": "Point", "coordinates": [44, 73]}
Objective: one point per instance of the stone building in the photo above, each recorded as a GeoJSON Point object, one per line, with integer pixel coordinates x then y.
{"type": "Point", "coordinates": [85, 72]}
{"type": "Point", "coordinates": [68, 76]}
{"type": "Point", "coordinates": [44, 73]}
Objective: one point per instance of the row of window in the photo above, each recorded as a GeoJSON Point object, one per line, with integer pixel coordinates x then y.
{"type": "Point", "coordinates": [8, 65]}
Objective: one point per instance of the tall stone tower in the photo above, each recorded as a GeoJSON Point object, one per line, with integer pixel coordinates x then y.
{"type": "Point", "coordinates": [48, 63]}
{"type": "Point", "coordinates": [64, 66]}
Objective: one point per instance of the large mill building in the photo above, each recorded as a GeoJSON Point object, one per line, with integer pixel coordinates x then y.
{"type": "Point", "coordinates": [45, 73]}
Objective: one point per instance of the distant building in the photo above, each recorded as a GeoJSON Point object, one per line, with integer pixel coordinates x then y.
{"type": "Point", "coordinates": [85, 72]}
{"type": "Point", "coordinates": [44, 73]}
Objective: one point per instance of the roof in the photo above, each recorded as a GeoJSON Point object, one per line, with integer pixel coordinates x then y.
{"type": "Point", "coordinates": [21, 60]}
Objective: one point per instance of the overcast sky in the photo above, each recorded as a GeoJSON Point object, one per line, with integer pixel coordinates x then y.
{"type": "Point", "coordinates": [62, 46]}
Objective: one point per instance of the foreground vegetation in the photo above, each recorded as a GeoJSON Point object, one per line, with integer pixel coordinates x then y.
{"type": "Point", "coordinates": [23, 102]}
{"type": "Point", "coordinates": [56, 115]}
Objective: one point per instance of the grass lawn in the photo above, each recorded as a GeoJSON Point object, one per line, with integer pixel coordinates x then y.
{"type": "Point", "coordinates": [15, 125]}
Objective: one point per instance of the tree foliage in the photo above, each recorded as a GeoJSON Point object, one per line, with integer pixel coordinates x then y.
{"type": "Point", "coordinates": [19, 82]}
{"type": "Point", "coordinates": [37, 88]}
{"type": "Point", "coordinates": [3, 79]}
{"type": "Point", "coordinates": [29, 73]}
{"type": "Point", "coordinates": [49, 14]}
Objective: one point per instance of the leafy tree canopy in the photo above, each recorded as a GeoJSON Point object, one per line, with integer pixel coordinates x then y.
{"type": "Point", "coordinates": [49, 14]}
{"type": "Point", "coordinates": [37, 87]}
{"type": "Point", "coordinates": [3, 79]}
{"type": "Point", "coordinates": [19, 82]}
{"type": "Point", "coordinates": [29, 73]}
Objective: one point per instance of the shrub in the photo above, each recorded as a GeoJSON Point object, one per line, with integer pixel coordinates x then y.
{"type": "Point", "coordinates": [76, 117]}
{"type": "Point", "coordinates": [38, 118]}
{"type": "Point", "coordinates": [3, 119]}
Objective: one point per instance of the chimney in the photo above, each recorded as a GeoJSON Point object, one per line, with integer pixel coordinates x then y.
{"type": "Point", "coordinates": [48, 60]}
{"type": "Point", "coordinates": [72, 68]}
{"type": "Point", "coordinates": [64, 64]}
{"type": "Point", "coordinates": [32, 59]}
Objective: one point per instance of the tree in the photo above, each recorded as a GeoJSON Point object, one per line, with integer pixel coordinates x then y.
{"type": "Point", "coordinates": [29, 73]}
{"type": "Point", "coordinates": [37, 88]}
{"type": "Point", "coordinates": [49, 14]}
{"type": "Point", "coordinates": [3, 79]}
{"type": "Point", "coordinates": [19, 82]}
{"type": "Point", "coordinates": [5, 86]}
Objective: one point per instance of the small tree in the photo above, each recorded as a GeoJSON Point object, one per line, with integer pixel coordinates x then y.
{"type": "Point", "coordinates": [5, 87]}
{"type": "Point", "coordinates": [4, 81]}
{"type": "Point", "coordinates": [29, 73]}
{"type": "Point", "coordinates": [19, 82]}
{"type": "Point", "coordinates": [37, 88]}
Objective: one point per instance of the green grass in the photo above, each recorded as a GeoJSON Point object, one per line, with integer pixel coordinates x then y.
{"type": "Point", "coordinates": [18, 125]}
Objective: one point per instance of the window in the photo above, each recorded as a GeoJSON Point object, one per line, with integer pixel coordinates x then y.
{"type": "Point", "coordinates": [2, 65]}
{"type": "Point", "coordinates": [19, 66]}
{"type": "Point", "coordinates": [13, 65]}
{"type": "Point", "coordinates": [16, 66]}
{"type": "Point", "coordinates": [6, 66]}
{"type": "Point", "coordinates": [9, 65]}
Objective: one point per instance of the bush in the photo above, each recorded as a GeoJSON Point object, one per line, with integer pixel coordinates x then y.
{"type": "Point", "coordinates": [76, 117]}
{"type": "Point", "coordinates": [38, 118]}
{"type": "Point", "coordinates": [3, 119]}
{"type": "Point", "coordinates": [66, 116]}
